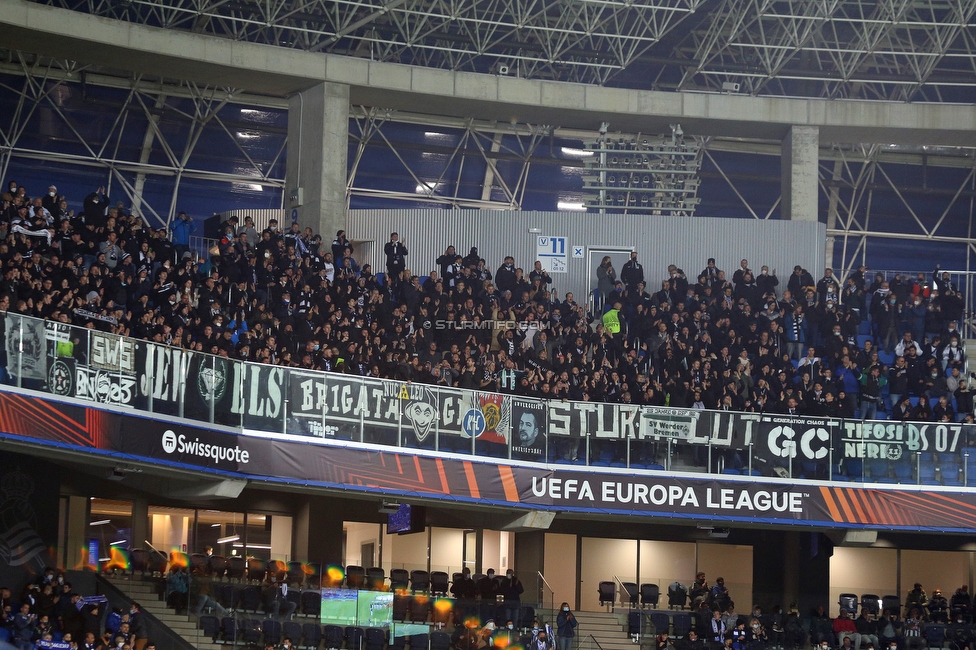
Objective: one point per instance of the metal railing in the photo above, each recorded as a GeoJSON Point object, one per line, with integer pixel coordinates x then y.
{"type": "Point", "coordinates": [108, 370]}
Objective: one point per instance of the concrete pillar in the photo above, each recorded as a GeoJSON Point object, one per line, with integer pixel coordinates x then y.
{"type": "Point", "coordinates": [75, 541]}
{"type": "Point", "coordinates": [530, 559]}
{"type": "Point", "coordinates": [318, 141]}
{"type": "Point", "coordinates": [317, 533]}
{"type": "Point", "coordinates": [791, 568]}
{"type": "Point", "coordinates": [140, 523]}
{"type": "Point", "coordinates": [799, 175]}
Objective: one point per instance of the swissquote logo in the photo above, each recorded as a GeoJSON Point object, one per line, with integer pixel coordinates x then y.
{"type": "Point", "coordinates": [173, 443]}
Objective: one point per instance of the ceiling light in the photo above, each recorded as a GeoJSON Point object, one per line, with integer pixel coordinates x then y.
{"type": "Point", "coordinates": [100, 522]}
{"type": "Point", "coordinates": [228, 539]}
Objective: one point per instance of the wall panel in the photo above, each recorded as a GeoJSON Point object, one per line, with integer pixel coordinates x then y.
{"type": "Point", "coordinates": [862, 571]}
{"type": "Point", "coordinates": [560, 567]}
{"type": "Point", "coordinates": [687, 242]}
{"type": "Point", "coordinates": [602, 559]}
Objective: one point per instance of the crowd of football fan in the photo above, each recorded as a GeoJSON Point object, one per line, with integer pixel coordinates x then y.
{"type": "Point", "coordinates": [50, 615]}
{"type": "Point", "coordinates": [743, 343]}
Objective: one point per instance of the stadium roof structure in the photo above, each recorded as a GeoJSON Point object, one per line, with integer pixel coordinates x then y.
{"type": "Point", "coordinates": [893, 50]}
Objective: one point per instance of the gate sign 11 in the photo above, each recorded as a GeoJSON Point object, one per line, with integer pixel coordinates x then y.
{"type": "Point", "coordinates": [551, 251]}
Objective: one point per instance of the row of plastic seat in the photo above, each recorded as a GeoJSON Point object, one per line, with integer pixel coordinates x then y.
{"type": "Point", "coordinates": [871, 602]}
{"type": "Point", "coordinates": [646, 595]}
{"type": "Point", "coordinates": [239, 568]}
{"type": "Point", "coordinates": [236, 568]}
{"type": "Point", "coordinates": [311, 636]}
{"type": "Point", "coordinates": [415, 608]}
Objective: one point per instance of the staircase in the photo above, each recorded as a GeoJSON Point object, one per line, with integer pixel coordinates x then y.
{"type": "Point", "coordinates": [146, 595]}
{"type": "Point", "coordinates": [609, 629]}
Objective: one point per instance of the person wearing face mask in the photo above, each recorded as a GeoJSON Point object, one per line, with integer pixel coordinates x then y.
{"type": "Point", "coordinates": [511, 590]}
{"type": "Point", "coordinates": [959, 632]}
{"type": "Point", "coordinates": [952, 355]}
{"type": "Point", "coordinates": [565, 628]}
{"type": "Point", "coordinates": [488, 587]}
{"type": "Point", "coordinates": [506, 636]}
{"type": "Point", "coordinates": [274, 595]}
{"type": "Point", "coordinates": [935, 382]}
{"type": "Point", "coordinates": [50, 200]}
{"type": "Point", "coordinates": [137, 626]}
{"type": "Point", "coordinates": [756, 636]}
{"type": "Point", "coordinates": [542, 642]}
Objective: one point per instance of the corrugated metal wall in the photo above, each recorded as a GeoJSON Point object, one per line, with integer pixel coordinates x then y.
{"type": "Point", "coordinates": [659, 241]}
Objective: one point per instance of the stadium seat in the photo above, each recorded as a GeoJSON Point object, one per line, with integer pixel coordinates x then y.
{"type": "Point", "coordinates": [311, 603]}
{"type": "Point", "coordinates": [374, 638]}
{"type": "Point", "coordinates": [354, 637]}
{"type": "Point", "coordinates": [332, 637]}
{"type": "Point", "coordinates": [236, 567]}
{"type": "Point", "coordinates": [355, 577]}
{"type": "Point", "coordinates": [218, 566]}
{"type": "Point", "coordinates": [661, 622]}
{"type": "Point", "coordinates": [418, 641]}
{"type": "Point", "coordinates": [271, 631]}
{"type": "Point", "coordinates": [293, 631]}
{"type": "Point", "coordinates": [650, 594]}
{"type": "Point", "coordinates": [311, 635]}
{"type": "Point", "coordinates": [251, 598]}
{"type": "Point", "coordinates": [228, 629]}
{"type": "Point", "coordinates": [440, 640]}
{"type": "Point", "coordinates": [296, 574]}
{"type": "Point", "coordinates": [608, 592]}
{"type": "Point", "coordinates": [630, 595]}
{"type": "Point", "coordinates": [848, 602]}
{"type": "Point", "coordinates": [439, 583]}
{"type": "Point", "coordinates": [210, 625]}
{"type": "Point", "coordinates": [681, 621]}
{"type": "Point", "coordinates": [376, 578]}
{"type": "Point", "coordinates": [256, 569]}
{"type": "Point", "coordinates": [677, 595]}
{"type": "Point", "coordinates": [250, 631]}
{"type": "Point", "coordinates": [399, 579]}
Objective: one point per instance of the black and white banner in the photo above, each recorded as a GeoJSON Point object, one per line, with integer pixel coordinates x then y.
{"type": "Point", "coordinates": [109, 369]}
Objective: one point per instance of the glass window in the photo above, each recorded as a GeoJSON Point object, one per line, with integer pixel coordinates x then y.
{"type": "Point", "coordinates": [109, 527]}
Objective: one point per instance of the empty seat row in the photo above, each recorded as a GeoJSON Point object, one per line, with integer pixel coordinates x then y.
{"type": "Point", "coordinates": [248, 598]}
{"type": "Point", "coordinates": [312, 636]}
{"type": "Point", "coordinates": [871, 602]}
{"type": "Point", "coordinates": [646, 595]}
{"type": "Point", "coordinates": [238, 568]}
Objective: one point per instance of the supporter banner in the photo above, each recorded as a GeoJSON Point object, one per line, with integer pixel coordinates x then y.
{"type": "Point", "coordinates": [680, 424]}
{"type": "Point", "coordinates": [894, 440]}
{"type": "Point", "coordinates": [334, 405]}
{"type": "Point", "coordinates": [777, 439]}
{"type": "Point", "coordinates": [437, 477]}
{"type": "Point", "coordinates": [67, 378]}
{"type": "Point", "coordinates": [113, 352]}
{"type": "Point", "coordinates": [26, 344]}
{"type": "Point", "coordinates": [529, 424]}
{"type": "Point", "coordinates": [162, 377]}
